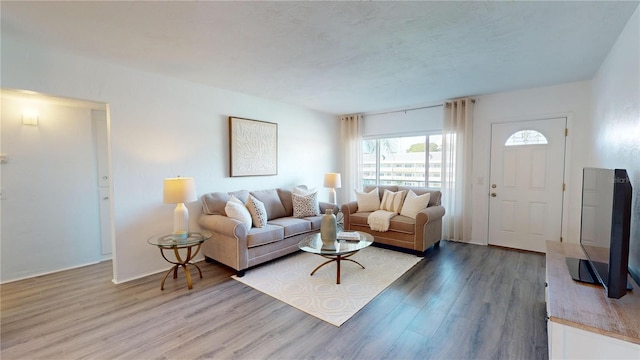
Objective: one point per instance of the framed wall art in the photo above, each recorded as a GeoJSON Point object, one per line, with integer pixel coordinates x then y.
{"type": "Point", "coordinates": [253, 147]}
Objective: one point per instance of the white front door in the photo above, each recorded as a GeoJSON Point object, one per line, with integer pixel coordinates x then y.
{"type": "Point", "coordinates": [526, 189]}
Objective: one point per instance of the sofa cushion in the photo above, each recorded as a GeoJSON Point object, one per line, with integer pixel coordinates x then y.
{"type": "Point", "coordinates": [258, 212]}
{"type": "Point", "coordinates": [214, 203]}
{"type": "Point", "coordinates": [402, 224]}
{"type": "Point", "coordinates": [292, 226]}
{"type": "Point", "coordinates": [436, 195]}
{"type": "Point", "coordinates": [305, 205]}
{"type": "Point", "coordinates": [381, 188]}
{"type": "Point", "coordinates": [414, 203]}
{"type": "Point", "coordinates": [264, 235]}
{"type": "Point", "coordinates": [316, 221]}
{"type": "Point", "coordinates": [287, 202]}
{"type": "Point", "coordinates": [368, 201]}
{"type": "Point", "coordinates": [398, 223]}
{"type": "Point", "coordinates": [242, 195]}
{"type": "Point", "coordinates": [235, 209]}
{"type": "Point", "coordinates": [392, 201]}
{"type": "Point", "coordinates": [272, 203]}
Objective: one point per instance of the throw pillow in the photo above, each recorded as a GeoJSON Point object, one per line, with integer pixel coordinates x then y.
{"type": "Point", "coordinates": [258, 212]}
{"type": "Point", "coordinates": [305, 205]}
{"type": "Point", "coordinates": [368, 201]}
{"type": "Point", "coordinates": [392, 201]}
{"type": "Point", "coordinates": [235, 209]}
{"type": "Point", "coordinates": [414, 203]}
{"type": "Point", "coordinates": [302, 190]}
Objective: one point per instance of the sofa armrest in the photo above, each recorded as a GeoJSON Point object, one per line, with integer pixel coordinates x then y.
{"type": "Point", "coordinates": [429, 214]}
{"type": "Point", "coordinates": [349, 208]}
{"type": "Point", "coordinates": [325, 205]}
{"type": "Point", "coordinates": [224, 225]}
{"type": "Point", "coordinates": [428, 227]}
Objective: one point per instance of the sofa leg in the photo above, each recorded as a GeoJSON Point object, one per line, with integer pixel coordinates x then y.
{"type": "Point", "coordinates": [240, 273]}
{"type": "Point", "coordinates": [208, 259]}
{"type": "Point", "coordinates": [437, 244]}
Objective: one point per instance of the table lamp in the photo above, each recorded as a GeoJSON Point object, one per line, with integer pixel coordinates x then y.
{"type": "Point", "coordinates": [179, 191]}
{"type": "Point", "coordinates": [333, 182]}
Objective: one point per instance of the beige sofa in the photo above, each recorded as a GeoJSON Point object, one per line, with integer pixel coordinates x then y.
{"type": "Point", "coordinates": [404, 232]}
{"type": "Point", "coordinates": [239, 247]}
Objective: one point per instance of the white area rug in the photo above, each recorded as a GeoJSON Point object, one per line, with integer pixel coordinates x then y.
{"type": "Point", "coordinates": [288, 280]}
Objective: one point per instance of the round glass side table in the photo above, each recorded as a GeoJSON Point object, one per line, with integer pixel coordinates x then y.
{"type": "Point", "coordinates": [169, 242]}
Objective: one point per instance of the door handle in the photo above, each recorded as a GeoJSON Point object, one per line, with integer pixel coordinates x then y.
{"type": "Point", "coordinates": [493, 195]}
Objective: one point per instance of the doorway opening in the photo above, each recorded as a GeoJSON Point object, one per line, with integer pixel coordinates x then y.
{"type": "Point", "coordinates": [55, 212]}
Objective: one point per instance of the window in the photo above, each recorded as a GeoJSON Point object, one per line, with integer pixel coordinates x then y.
{"type": "Point", "coordinates": [526, 137]}
{"type": "Point", "coordinates": [406, 161]}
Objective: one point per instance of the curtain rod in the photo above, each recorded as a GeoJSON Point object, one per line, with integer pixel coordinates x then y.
{"type": "Point", "coordinates": [418, 108]}
{"type": "Point", "coordinates": [405, 110]}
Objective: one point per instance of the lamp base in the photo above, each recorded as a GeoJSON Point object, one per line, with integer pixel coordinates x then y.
{"type": "Point", "coordinates": [180, 221]}
{"type": "Point", "coordinates": [332, 195]}
{"type": "Point", "coordinates": [180, 236]}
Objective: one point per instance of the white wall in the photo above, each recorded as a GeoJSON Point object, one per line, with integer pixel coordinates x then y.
{"type": "Point", "coordinates": [162, 127]}
{"type": "Point", "coordinates": [615, 124]}
{"type": "Point", "coordinates": [571, 100]}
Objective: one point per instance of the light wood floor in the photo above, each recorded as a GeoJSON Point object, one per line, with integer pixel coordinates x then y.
{"type": "Point", "coordinates": [460, 302]}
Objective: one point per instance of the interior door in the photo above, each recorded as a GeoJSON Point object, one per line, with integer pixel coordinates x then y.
{"type": "Point", "coordinates": [100, 133]}
{"type": "Point", "coordinates": [527, 177]}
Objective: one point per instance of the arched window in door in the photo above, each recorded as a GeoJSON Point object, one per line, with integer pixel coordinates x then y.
{"type": "Point", "coordinates": [526, 137]}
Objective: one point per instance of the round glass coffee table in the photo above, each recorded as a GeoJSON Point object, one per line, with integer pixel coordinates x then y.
{"type": "Point", "coordinates": [342, 251]}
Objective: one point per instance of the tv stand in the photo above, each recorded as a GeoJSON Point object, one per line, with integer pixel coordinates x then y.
{"type": "Point", "coordinates": [582, 321]}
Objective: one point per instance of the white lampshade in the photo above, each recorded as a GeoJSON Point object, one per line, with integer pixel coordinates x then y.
{"type": "Point", "coordinates": [332, 180]}
{"type": "Point", "coordinates": [179, 190]}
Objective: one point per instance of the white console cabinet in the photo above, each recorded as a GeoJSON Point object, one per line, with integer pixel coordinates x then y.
{"type": "Point", "coordinates": [583, 322]}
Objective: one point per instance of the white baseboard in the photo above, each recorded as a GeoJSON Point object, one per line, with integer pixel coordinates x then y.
{"type": "Point", "coordinates": [50, 272]}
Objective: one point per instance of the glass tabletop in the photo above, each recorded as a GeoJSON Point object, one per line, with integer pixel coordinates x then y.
{"type": "Point", "coordinates": [169, 241]}
{"type": "Point", "coordinates": [313, 244]}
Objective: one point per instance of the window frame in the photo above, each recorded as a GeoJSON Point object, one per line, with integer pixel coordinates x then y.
{"type": "Point", "coordinates": [514, 140]}
{"type": "Point", "coordinates": [378, 165]}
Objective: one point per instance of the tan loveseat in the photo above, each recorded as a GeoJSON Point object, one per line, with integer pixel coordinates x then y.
{"type": "Point", "coordinates": [404, 232]}
{"type": "Point", "coordinates": [239, 247]}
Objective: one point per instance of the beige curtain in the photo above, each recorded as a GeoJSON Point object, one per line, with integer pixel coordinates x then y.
{"type": "Point", "coordinates": [457, 158]}
{"type": "Point", "coordinates": [351, 130]}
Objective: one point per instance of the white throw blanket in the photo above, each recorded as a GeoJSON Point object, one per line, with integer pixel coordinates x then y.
{"type": "Point", "coordinates": [379, 220]}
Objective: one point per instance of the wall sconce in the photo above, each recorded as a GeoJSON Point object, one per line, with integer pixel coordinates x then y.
{"type": "Point", "coordinates": [30, 117]}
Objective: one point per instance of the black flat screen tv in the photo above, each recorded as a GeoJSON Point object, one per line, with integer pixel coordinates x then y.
{"type": "Point", "coordinates": [605, 230]}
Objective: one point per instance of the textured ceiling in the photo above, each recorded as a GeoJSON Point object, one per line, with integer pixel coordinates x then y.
{"type": "Point", "coordinates": [337, 57]}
